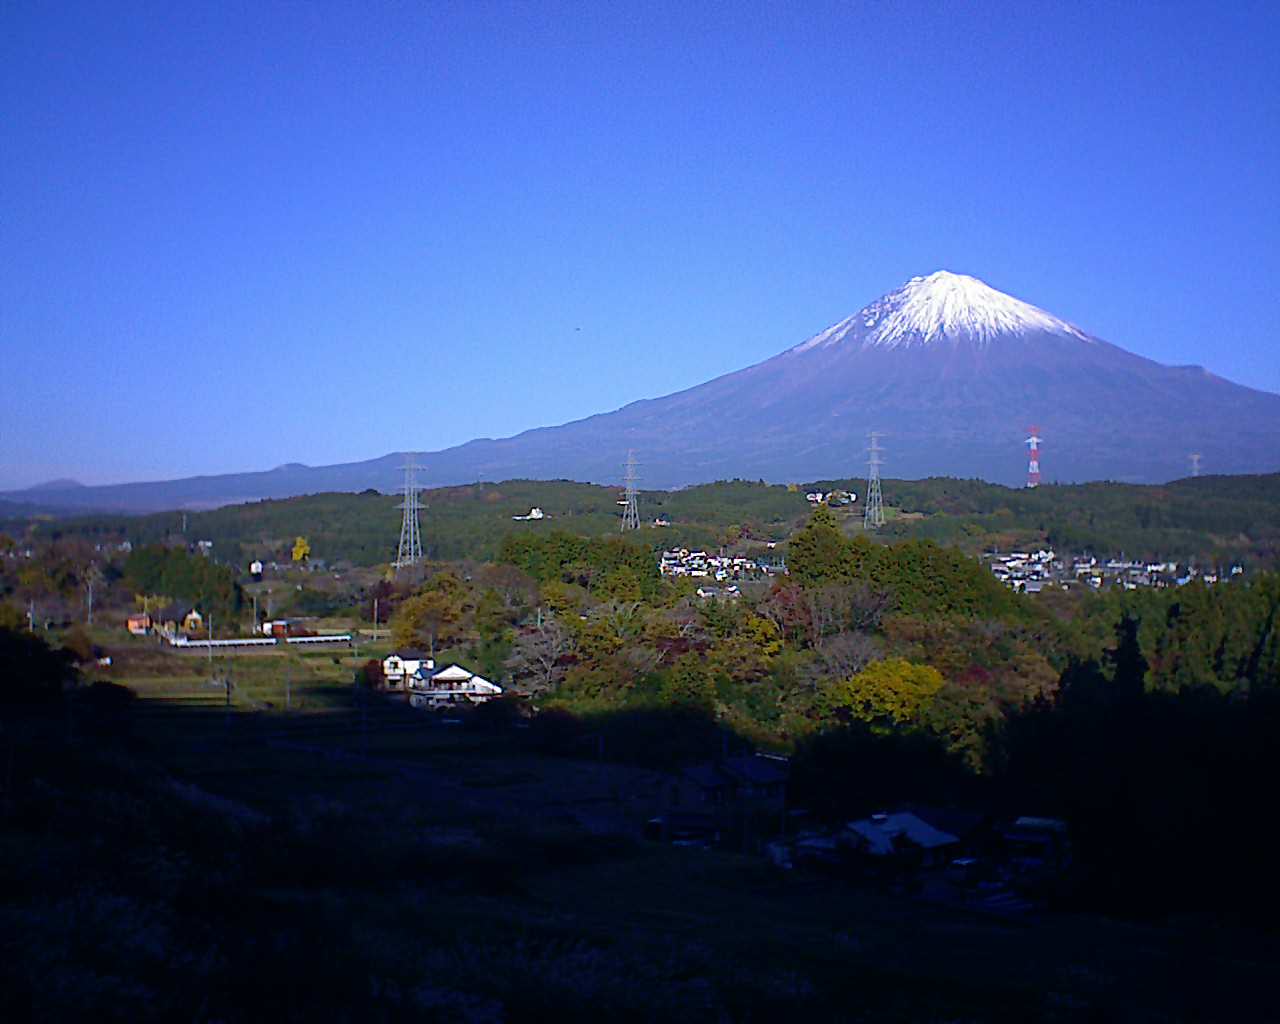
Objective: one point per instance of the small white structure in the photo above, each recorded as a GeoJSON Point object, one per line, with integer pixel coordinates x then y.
{"type": "Point", "coordinates": [255, 569]}
{"type": "Point", "coordinates": [452, 685]}
{"type": "Point", "coordinates": [534, 513]}
{"type": "Point", "coordinates": [399, 667]}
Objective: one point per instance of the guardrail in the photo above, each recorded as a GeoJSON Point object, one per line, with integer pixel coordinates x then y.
{"type": "Point", "coordinates": [256, 641]}
{"type": "Point", "coordinates": [333, 638]}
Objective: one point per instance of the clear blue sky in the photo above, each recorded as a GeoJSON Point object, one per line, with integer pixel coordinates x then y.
{"type": "Point", "coordinates": [233, 236]}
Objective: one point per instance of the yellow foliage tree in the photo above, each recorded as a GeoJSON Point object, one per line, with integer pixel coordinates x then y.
{"type": "Point", "coordinates": [301, 549]}
{"type": "Point", "coordinates": [891, 691]}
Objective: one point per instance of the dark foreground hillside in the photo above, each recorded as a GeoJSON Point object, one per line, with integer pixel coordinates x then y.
{"type": "Point", "coordinates": [203, 872]}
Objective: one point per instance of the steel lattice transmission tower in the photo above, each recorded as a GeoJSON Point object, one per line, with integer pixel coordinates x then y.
{"type": "Point", "coordinates": [631, 506]}
{"type": "Point", "coordinates": [873, 513]}
{"type": "Point", "coordinates": [1195, 458]}
{"type": "Point", "coordinates": [410, 551]}
{"type": "Point", "coordinates": [1033, 443]}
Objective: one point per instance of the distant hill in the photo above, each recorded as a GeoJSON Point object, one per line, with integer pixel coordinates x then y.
{"type": "Point", "coordinates": [61, 484]}
{"type": "Point", "coordinates": [952, 370]}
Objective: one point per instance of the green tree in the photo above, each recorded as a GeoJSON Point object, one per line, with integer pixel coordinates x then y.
{"type": "Point", "coordinates": [819, 553]}
{"type": "Point", "coordinates": [32, 672]}
{"type": "Point", "coordinates": [492, 616]}
{"type": "Point", "coordinates": [689, 684]}
{"type": "Point", "coordinates": [11, 617]}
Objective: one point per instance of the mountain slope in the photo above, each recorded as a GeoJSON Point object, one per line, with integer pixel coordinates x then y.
{"type": "Point", "coordinates": [953, 371]}
{"type": "Point", "coordinates": [950, 369]}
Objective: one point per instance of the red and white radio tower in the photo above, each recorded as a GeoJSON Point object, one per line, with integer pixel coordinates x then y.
{"type": "Point", "coordinates": [1033, 466]}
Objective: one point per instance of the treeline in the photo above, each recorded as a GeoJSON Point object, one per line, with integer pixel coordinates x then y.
{"type": "Point", "coordinates": [1224, 637]}
{"type": "Point", "coordinates": [923, 578]}
{"type": "Point", "coordinates": [617, 563]}
{"type": "Point", "coordinates": [1213, 520]}
{"type": "Point", "coordinates": [463, 522]}
{"type": "Point", "coordinates": [1210, 520]}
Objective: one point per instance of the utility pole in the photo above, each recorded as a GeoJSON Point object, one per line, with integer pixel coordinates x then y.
{"type": "Point", "coordinates": [375, 620]}
{"type": "Point", "coordinates": [91, 578]}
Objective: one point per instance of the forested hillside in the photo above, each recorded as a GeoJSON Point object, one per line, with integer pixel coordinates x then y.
{"type": "Point", "coordinates": [1209, 520]}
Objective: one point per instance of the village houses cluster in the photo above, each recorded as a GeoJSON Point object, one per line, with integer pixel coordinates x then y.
{"type": "Point", "coordinates": [1031, 571]}
{"type": "Point", "coordinates": [721, 568]}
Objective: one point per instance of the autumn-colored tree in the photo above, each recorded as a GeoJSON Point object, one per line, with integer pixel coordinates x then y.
{"type": "Point", "coordinates": [301, 549]}
{"type": "Point", "coordinates": [885, 693]}
{"type": "Point", "coordinates": [78, 643]}
{"type": "Point", "coordinates": [433, 613]}
{"type": "Point", "coordinates": [369, 676]}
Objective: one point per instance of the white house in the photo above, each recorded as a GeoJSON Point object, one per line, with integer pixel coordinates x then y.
{"type": "Point", "coordinates": [877, 834]}
{"type": "Point", "coordinates": [452, 685]}
{"type": "Point", "coordinates": [400, 666]}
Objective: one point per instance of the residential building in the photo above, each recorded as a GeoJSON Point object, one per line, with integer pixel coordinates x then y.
{"type": "Point", "coordinates": [452, 685]}
{"type": "Point", "coordinates": [401, 665]}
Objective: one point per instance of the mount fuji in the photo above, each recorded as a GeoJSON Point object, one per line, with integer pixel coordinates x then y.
{"type": "Point", "coordinates": [951, 370]}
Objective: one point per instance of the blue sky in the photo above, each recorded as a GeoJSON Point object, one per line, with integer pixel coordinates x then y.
{"type": "Point", "coordinates": [233, 236]}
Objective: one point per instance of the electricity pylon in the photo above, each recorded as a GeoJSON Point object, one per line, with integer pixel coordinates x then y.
{"type": "Point", "coordinates": [410, 551]}
{"type": "Point", "coordinates": [631, 506]}
{"type": "Point", "coordinates": [873, 512]}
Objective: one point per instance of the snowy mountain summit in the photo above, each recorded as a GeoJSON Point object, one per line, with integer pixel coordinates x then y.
{"type": "Point", "coordinates": [943, 307]}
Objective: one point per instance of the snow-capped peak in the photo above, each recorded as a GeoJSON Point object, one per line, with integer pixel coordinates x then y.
{"type": "Point", "coordinates": [941, 306]}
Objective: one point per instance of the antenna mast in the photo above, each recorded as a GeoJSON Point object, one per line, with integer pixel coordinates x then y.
{"type": "Point", "coordinates": [873, 513]}
{"type": "Point", "coordinates": [631, 510]}
{"type": "Point", "coordinates": [410, 551]}
{"type": "Point", "coordinates": [1033, 463]}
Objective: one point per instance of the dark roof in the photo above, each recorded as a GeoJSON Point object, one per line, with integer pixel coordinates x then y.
{"type": "Point", "coordinates": [708, 776]}
{"type": "Point", "coordinates": [949, 819]}
{"type": "Point", "coordinates": [760, 771]}
{"type": "Point", "coordinates": [173, 611]}
{"type": "Point", "coordinates": [409, 654]}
